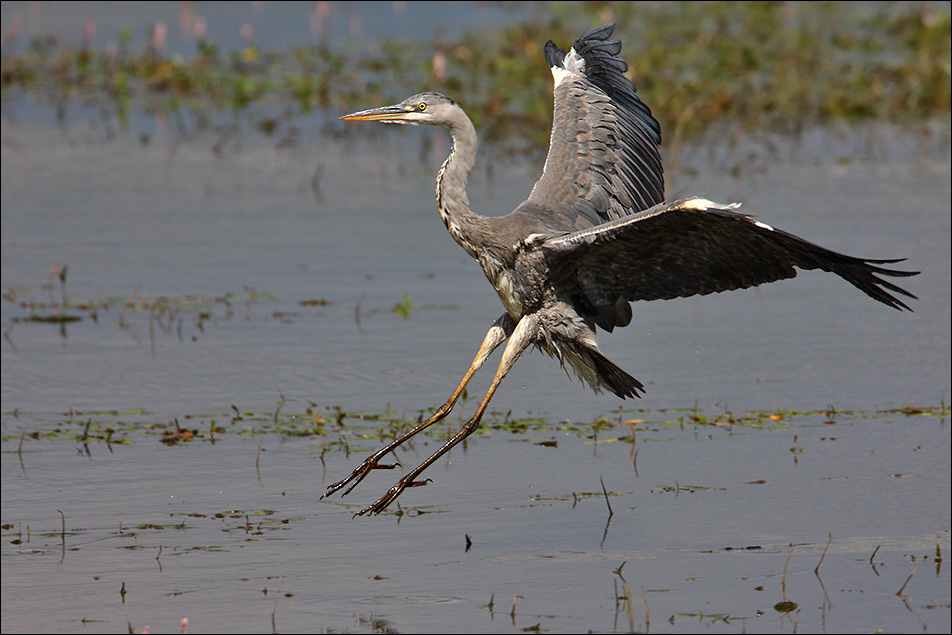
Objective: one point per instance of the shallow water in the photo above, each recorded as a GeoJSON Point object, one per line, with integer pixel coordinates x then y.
{"type": "Point", "coordinates": [716, 528]}
{"type": "Point", "coordinates": [715, 521]}
{"type": "Point", "coordinates": [706, 517]}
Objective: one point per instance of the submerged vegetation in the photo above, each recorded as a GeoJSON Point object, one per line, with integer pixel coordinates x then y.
{"type": "Point", "coordinates": [752, 67]}
{"type": "Point", "coordinates": [334, 429]}
{"type": "Point", "coordinates": [184, 317]}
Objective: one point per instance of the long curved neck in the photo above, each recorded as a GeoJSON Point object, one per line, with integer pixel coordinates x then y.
{"type": "Point", "coordinates": [451, 199]}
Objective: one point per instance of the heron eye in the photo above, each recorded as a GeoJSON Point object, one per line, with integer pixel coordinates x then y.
{"type": "Point", "coordinates": [422, 106]}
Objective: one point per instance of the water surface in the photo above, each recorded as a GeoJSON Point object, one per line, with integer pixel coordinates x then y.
{"type": "Point", "coordinates": [251, 292]}
{"type": "Point", "coordinates": [706, 517]}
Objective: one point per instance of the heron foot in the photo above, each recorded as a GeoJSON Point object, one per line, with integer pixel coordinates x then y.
{"type": "Point", "coordinates": [384, 501]}
{"type": "Point", "coordinates": [358, 475]}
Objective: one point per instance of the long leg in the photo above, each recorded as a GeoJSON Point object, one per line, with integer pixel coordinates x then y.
{"type": "Point", "coordinates": [497, 334]}
{"type": "Point", "coordinates": [523, 335]}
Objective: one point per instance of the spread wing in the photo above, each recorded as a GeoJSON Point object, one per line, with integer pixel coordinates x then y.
{"type": "Point", "coordinates": [691, 247]}
{"type": "Point", "coordinates": [603, 160]}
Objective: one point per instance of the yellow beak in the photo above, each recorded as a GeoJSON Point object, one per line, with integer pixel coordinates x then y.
{"type": "Point", "coordinates": [397, 112]}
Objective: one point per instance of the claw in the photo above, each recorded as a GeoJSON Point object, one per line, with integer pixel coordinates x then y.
{"type": "Point", "coordinates": [384, 501]}
{"type": "Point", "coordinates": [358, 475]}
{"type": "Point", "coordinates": [378, 506]}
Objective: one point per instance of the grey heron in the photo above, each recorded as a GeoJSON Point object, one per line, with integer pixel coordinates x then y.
{"type": "Point", "coordinates": [594, 235]}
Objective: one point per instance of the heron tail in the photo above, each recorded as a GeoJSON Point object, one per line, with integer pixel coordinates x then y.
{"type": "Point", "coordinates": [614, 378]}
{"type": "Point", "coordinates": [592, 367]}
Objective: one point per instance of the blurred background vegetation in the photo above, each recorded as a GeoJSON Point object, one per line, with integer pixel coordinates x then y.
{"type": "Point", "coordinates": [704, 68]}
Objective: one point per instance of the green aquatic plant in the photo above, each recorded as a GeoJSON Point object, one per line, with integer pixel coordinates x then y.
{"type": "Point", "coordinates": [705, 68]}
{"type": "Point", "coordinates": [335, 429]}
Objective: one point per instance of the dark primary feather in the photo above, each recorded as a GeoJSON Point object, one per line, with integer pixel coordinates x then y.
{"type": "Point", "coordinates": [688, 247]}
{"type": "Point", "coordinates": [603, 161]}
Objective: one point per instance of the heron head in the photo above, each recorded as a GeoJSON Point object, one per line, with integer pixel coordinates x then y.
{"type": "Point", "coordinates": [422, 108]}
